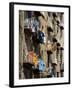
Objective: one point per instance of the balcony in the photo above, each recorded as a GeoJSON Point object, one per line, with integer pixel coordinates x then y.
{"type": "Point", "coordinates": [32, 24]}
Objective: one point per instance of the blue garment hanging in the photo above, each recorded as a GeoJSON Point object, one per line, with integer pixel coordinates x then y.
{"type": "Point", "coordinates": [41, 65]}
{"type": "Point", "coordinates": [41, 36]}
{"type": "Point", "coordinates": [36, 24]}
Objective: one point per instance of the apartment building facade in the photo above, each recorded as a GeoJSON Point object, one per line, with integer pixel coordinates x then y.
{"type": "Point", "coordinates": [41, 44]}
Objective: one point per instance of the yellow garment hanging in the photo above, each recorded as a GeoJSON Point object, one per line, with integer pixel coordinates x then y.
{"type": "Point", "coordinates": [35, 59]}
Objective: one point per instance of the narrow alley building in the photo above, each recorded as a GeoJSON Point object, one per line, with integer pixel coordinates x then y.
{"type": "Point", "coordinates": [41, 44]}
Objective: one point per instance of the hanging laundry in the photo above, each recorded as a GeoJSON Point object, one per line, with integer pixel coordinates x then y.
{"type": "Point", "coordinates": [41, 36]}
{"type": "Point", "coordinates": [41, 65]}
{"type": "Point", "coordinates": [37, 49]}
{"type": "Point", "coordinates": [35, 25]}
{"type": "Point", "coordinates": [30, 56]}
{"type": "Point", "coordinates": [35, 59]}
